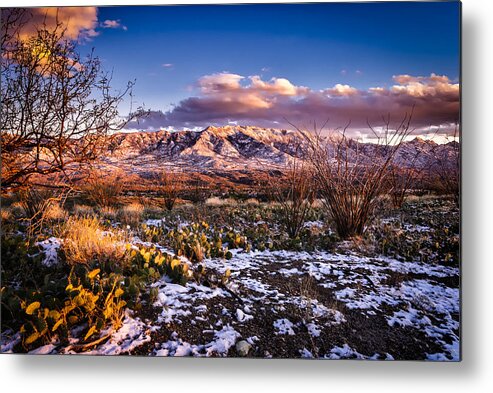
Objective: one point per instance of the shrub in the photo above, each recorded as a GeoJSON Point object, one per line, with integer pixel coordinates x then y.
{"type": "Point", "coordinates": [446, 169]}
{"type": "Point", "coordinates": [350, 182]}
{"type": "Point", "coordinates": [292, 191]}
{"type": "Point", "coordinates": [38, 206]}
{"type": "Point", "coordinates": [108, 213]}
{"type": "Point", "coordinates": [169, 186]}
{"type": "Point", "coordinates": [198, 191]}
{"type": "Point", "coordinates": [85, 241]}
{"type": "Point", "coordinates": [83, 210]}
{"type": "Point", "coordinates": [103, 189]}
{"type": "Point", "coordinates": [131, 214]}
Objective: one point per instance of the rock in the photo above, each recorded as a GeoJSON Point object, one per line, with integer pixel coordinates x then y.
{"type": "Point", "coordinates": [240, 315]}
{"type": "Point", "coordinates": [242, 348]}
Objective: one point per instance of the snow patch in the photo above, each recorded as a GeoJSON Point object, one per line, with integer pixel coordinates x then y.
{"type": "Point", "coordinates": [50, 249]}
{"type": "Point", "coordinates": [284, 326]}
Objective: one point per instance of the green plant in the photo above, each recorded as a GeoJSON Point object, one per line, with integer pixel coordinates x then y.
{"type": "Point", "coordinates": [200, 240]}
{"type": "Point", "coordinates": [52, 310]}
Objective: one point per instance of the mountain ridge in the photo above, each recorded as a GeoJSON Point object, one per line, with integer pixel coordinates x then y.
{"type": "Point", "coordinates": [241, 148]}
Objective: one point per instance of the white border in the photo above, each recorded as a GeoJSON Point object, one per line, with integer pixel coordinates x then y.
{"type": "Point", "coordinates": [125, 374]}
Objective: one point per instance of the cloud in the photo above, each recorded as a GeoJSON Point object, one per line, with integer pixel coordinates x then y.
{"type": "Point", "coordinates": [225, 97]}
{"type": "Point", "coordinates": [79, 22]}
{"type": "Point", "coordinates": [113, 24]}
{"type": "Point", "coordinates": [341, 90]}
{"type": "Point", "coordinates": [220, 82]}
{"type": "Point", "coordinates": [167, 65]}
{"type": "Point", "coordinates": [426, 87]}
{"type": "Point", "coordinates": [280, 86]}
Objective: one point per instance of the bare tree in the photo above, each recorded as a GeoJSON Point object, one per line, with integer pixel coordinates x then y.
{"type": "Point", "coordinates": [197, 190]}
{"type": "Point", "coordinates": [402, 180]}
{"type": "Point", "coordinates": [169, 184]}
{"type": "Point", "coordinates": [37, 202]}
{"type": "Point", "coordinates": [350, 176]}
{"type": "Point", "coordinates": [58, 107]}
{"type": "Point", "coordinates": [293, 191]}
{"type": "Point", "coordinates": [445, 170]}
{"type": "Point", "coordinates": [103, 188]}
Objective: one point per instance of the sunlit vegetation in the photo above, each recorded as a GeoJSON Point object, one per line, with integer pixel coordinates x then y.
{"type": "Point", "coordinates": [103, 263]}
{"type": "Point", "coordinates": [84, 245]}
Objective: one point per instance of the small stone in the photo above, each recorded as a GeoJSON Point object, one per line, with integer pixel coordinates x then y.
{"type": "Point", "coordinates": [242, 348]}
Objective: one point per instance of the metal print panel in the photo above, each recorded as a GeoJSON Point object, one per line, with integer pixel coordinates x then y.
{"type": "Point", "coordinates": [259, 181]}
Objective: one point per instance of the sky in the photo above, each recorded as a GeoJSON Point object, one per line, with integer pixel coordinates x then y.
{"type": "Point", "coordinates": [275, 64]}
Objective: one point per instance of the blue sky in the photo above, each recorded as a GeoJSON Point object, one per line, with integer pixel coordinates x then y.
{"type": "Point", "coordinates": [261, 64]}
{"type": "Point", "coordinates": [315, 45]}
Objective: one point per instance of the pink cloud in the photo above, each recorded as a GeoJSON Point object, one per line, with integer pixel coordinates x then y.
{"type": "Point", "coordinates": [225, 97]}
{"type": "Point", "coordinates": [341, 90]}
{"type": "Point", "coordinates": [79, 22]}
{"type": "Point", "coordinates": [216, 83]}
{"type": "Point", "coordinates": [432, 86]}
{"type": "Point", "coordinates": [279, 86]}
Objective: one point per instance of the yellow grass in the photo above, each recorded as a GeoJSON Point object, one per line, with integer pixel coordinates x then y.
{"type": "Point", "coordinates": [132, 214]}
{"type": "Point", "coordinates": [5, 214]}
{"type": "Point", "coordinates": [85, 241]}
{"type": "Point", "coordinates": [83, 210]}
{"type": "Point", "coordinates": [55, 212]}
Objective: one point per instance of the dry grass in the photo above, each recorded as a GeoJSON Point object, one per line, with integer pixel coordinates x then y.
{"type": "Point", "coordinates": [153, 211]}
{"type": "Point", "coordinates": [85, 241]}
{"type": "Point", "coordinates": [108, 212]}
{"type": "Point", "coordinates": [5, 214]}
{"type": "Point", "coordinates": [55, 212]}
{"type": "Point", "coordinates": [83, 210]}
{"type": "Point", "coordinates": [131, 214]}
{"type": "Point", "coordinates": [252, 201]}
{"type": "Point", "coordinates": [216, 201]}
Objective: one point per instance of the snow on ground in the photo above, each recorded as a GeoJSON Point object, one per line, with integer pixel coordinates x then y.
{"type": "Point", "coordinates": [153, 222]}
{"type": "Point", "coordinates": [359, 282]}
{"type": "Point", "coordinates": [269, 283]}
{"type": "Point", "coordinates": [131, 335]}
{"type": "Point", "coordinates": [284, 326]}
{"type": "Point", "coordinates": [9, 340]}
{"type": "Point", "coordinates": [44, 350]}
{"type": "Point", "coordinates": [50, 247]}
{"type": "Point", "coordinates": [223, 340]}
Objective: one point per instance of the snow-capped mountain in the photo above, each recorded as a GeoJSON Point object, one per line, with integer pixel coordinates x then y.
{"type": "Point", "coordinates": [233, 148]}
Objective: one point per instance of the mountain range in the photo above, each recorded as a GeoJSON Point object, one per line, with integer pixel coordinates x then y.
{"type": "Point", "coordinates": [241, 149]}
